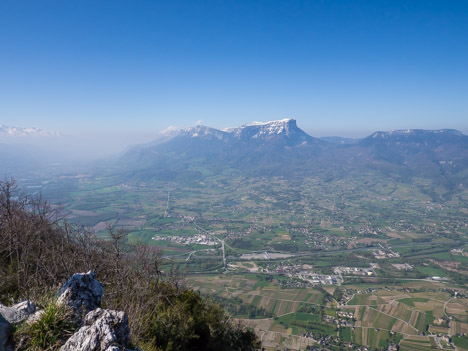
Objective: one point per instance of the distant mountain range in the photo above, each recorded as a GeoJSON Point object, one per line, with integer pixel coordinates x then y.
{"type": "Point", "coordinates": [22, 132]}
{"type": "Point", "coordinates": [276, 148]}
{"type": "Point", "coordinates": [282, 148]}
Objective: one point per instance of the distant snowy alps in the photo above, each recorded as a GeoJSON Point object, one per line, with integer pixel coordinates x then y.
{"type": "Point", "coordinates": [25, 132]}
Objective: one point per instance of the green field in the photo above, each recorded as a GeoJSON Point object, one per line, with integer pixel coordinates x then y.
{"type": "Point", "coordinates": [461, 341]}
{"type": "Point", "coordinates": [316, 222]}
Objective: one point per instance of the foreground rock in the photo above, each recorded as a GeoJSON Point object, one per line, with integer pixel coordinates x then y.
{"type": "Point", "coordinates": [13, 315]}
{"type": "Point", "coordinates": [17, 313]}
{"type": "Point", "coordinates": [5, 329]}
{"type": "Point", "coordinates": [82, 292]}
{"type": "Point", "coordinates": [103, 330]}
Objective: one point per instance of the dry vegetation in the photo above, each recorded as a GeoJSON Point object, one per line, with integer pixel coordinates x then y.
{"type": "Point", "coordinates": [39, 251]}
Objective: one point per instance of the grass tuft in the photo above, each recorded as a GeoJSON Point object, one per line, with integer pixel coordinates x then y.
{"type": "Point", "coordinates": [49, 331]}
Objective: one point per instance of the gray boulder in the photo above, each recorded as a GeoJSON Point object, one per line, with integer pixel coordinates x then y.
{"type": "Point", "coordinates": [19, 312]}
{"type": "Point", "coordinates": [13, 315]}
{"type": "Point", "coordinates": [102, 330]}
{"type": "Point", "coordinates": [82, 292]}
{"type": "Point", "coordinates": [5, 329]}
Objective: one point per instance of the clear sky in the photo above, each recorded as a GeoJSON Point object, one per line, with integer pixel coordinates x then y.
{"type": "Point", "coordinates": [338, 67]}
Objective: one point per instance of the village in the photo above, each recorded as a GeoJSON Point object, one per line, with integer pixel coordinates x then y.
{"type": "Point", "coordinates": [385, 252]}
{"type": "Point", "coordinates": [200, 239]}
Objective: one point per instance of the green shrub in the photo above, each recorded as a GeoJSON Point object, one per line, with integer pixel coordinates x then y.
{"type": "Point", "coordinates": [188, 322]}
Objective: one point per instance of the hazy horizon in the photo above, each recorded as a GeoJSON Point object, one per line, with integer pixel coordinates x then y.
{"type": "Point", "coordinates": [94, 144]}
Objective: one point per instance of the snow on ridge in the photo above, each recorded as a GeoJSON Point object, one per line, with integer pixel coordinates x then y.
{"type": "Point", "coordinates": [202, 131]}
{"type": "Point", "coordinates": [23, 132]}
{"type": "Point", "coordinates": [410, 132]}
{"type": "Point", "coordinates": [170, 131]}
{"type": "Point", "coordinates": [254, 130]}
{"type": "Point", "coordinates": [265, 129]}
{"type": "Point", "coordinates": [281, 121]}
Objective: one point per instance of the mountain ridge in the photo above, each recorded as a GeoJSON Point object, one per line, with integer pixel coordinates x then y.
{"type": "Point", "coordinates": [282, 148]}
{"type": "Point", "coordinates": [259, 131]}
{"type": "Point", "coordinates": [10, 131]}
{"type": "Point", "coordinates": [289, 125]}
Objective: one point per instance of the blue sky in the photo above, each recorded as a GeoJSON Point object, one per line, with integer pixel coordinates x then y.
{"type": "Point", "coordinates": [338, 67]}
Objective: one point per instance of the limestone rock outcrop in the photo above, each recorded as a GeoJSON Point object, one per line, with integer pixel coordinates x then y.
{"type": "Point", "coordinates": [19, 312]}
{"type": "Point", "coordinates": [13, 315]}
{"type": "Point", "coordinates": [102, 330]}
{"type": "Point", "coordinates": [82, 292]}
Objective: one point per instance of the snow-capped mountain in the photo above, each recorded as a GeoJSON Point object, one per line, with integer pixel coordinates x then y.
{"type": "Point", "coordinates": [414, 133]}
{"type": "Point", "coordinates": [256, 132]}
{"type": "Point", "coordinates": [203, 133]}
{"type": "Point", "coordinates": [415, 137]}
{"type": "Point", "coordinates": [285, 128]}
{"type": "Point", "coordinates": [22, 132]}
{"type": "Point", "coordinates": [264, 129]}
{"type": "Point", "coordinates": [281, 147]}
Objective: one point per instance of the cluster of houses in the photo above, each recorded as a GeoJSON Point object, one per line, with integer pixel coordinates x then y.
{"type": "Point", "coordinates": [201, 239]}
{"type": "Point", "coordinates": [385, 252]}
{"type": "Point", "coordinates": [353, 271]}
